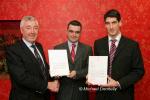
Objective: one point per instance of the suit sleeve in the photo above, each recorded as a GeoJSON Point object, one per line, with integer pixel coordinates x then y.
{"type": "Point", "coordinates": [137, 70]}
{"type": "Point", "coordinates": [19, 73]}
{"type": "Point", "coordinates": [95, 48]}
{"type": "Point", "coordinates": [83, 72]}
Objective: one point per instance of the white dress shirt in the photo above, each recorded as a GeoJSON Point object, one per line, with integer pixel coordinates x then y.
{"type": "Point", "coordinates": [118, 37]}
{"type": "Point", "coordinates": [70, 46]}
{"type": "Point", "coordinates": [28, 44]}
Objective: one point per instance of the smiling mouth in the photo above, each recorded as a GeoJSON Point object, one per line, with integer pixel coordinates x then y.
{"type": "Point", "coordinates": [32, 35]}
{"type": "Point", "coordinates": [73, 37]}
{"type": "Point", "coordinates": [111, 30]}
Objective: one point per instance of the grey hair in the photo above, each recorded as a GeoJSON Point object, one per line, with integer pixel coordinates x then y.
{"type": "Point", "coordinates": [27, 18]}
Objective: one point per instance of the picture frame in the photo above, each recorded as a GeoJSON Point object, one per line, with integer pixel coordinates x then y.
{"type": "Point", "coordinates": [9, 33]}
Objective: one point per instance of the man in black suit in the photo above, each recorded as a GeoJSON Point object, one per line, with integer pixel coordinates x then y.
{"type": "Point", "coordinates": [72, 86]}
{"type": "Point", "coordinates": [27, 65]}
{"type": "Point", "coordinates": [125, 61]}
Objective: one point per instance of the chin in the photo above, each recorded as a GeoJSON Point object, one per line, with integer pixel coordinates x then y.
{"type": "Point", "coordinates": [74, 41]}
{"type": "Point", "coordinates": [32, 41]}
{"type": "Point", "coordinates": [113, 34]}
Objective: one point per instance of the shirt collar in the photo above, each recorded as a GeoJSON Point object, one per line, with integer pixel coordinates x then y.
{"type": "Point", "coordinates": [118, 37]}
{"type": "Point", "coordinates": [27, 43]}
{"type": "Point", "coordinates": [70, 43]}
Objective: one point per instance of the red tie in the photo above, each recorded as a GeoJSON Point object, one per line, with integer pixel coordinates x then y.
{"type": "Point", "coordinates": [73, 52]}
{"type": "Point", "coordinates": [111, 56]}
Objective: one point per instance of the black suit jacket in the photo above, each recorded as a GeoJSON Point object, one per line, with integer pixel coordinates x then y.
{"type": "Point", "coordinates": [127, 67]}
{"type": "Point", "coordinates": [26, 76]}
{"type": "Point", "coordinates": [70, 88]}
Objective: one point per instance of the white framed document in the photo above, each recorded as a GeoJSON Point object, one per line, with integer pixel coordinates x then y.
{"type": "Point", "coordinates": [58, 61]}
{"type": "Point", "coordinates": [97, 70]}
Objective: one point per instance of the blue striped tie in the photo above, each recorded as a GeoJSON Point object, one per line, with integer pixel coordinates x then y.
{"type": "Point", "coordinates": [37, 56]}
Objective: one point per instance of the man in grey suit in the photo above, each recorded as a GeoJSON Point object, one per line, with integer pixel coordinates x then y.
{"type": "Point", "coordinates": [71, 86]}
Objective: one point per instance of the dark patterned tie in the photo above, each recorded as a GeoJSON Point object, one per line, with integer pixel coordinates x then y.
{"type": "Point", "coordinates": [73, 52]}
{"type": "Point", "coordinates": [37, 56]}
{"type": "Point", "coordinates": [111, 56]}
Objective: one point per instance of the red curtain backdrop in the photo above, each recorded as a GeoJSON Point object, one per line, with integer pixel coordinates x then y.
{"type": "Point", "coordinates": [54, 15]}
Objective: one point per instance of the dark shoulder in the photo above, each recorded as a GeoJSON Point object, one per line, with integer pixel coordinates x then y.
{"type": "Point", "coordinates": [101, 40]}
{"type": "Point", "coordinates": [15, 45]}
{"type": "Point", "coordinates": [129, 41]}
{"type": "Point", "coordinates": [59, 46]}
{"type": "Point", "coordinates": [86, 48]}
{"type": "Point", "coordinates": [15, 48]}
{"type": "Point", "coordinates": [84, 45]}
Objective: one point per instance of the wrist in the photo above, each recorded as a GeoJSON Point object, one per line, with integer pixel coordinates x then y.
{"type": "Point", "coordinates": [118, 84]}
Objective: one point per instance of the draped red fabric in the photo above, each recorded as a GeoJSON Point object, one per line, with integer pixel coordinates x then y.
{"type": "Point", "coordinates": [54, 15]}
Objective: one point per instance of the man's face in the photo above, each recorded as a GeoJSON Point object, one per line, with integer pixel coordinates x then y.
{"type": "Point", "coordinates": [74, 33]}
{"type": "Point", "coordinates": [113, 26]}
{"type": "Point", "coordinates": [30, 30]}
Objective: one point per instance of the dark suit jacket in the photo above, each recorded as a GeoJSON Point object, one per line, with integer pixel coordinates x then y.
{"type": "Point", "coordinates": [127, 67]}
{"type": "Point", "coordinates": [69, 88]}
{"type": "Point", "coordinates": [26, 76]}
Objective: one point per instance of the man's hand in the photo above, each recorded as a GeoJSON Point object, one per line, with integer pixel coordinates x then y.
{"type": "Point", "coordinates": [72, 74]}
{"type": "Point", "coordinates": [111, 83]}
{"type": "Point", "coordinates": [53, 86]}
{"type": "Point", "coordinates": [88, 83]}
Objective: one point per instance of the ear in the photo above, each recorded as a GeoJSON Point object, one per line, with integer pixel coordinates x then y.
{"type": "Point", "coordinates": [21, 30]}
{"type": "Point", "coordinates": [120, 23]}
{"type": "Point", "coordinates": [67, 32]}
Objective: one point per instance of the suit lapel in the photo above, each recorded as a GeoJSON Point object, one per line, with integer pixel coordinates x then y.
{"type": "Point", "coordinates": [105, 47]}
{"type": "Point", "coordinates": [44, 59]}
{"type": "Point", "coordinates": [27, 51]}
{"type": "Point", "coordinates": [68, 51]}
{"type": "Point", "coordinates": [78, 52]}
{"type": "Point", "coordinates": [121, 45]}
{"type": "Point", "coordinates": [30, 55]}
{"type": "Point", "coordinates": [42, 54]}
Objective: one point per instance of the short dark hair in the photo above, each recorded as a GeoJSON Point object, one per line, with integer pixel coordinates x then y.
{"type": "Point", "coordinates": [112, 13]}
{"type": "Point", "coordinates": [75, 23]}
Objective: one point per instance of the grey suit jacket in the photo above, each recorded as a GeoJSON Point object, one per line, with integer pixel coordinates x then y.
{"type": "Point", "coordinates": [69, 88]}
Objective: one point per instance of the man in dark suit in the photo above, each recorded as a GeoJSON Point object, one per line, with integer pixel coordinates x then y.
{"type": "Point", "coordinates": [27, 65]}
{"type": "Point", "coordinates": [72, 86]}
{"type": "Point", "coordinates": [125, 61]}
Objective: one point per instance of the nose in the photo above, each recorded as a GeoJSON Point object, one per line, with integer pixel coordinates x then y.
{"type": "Point", "coordinates": [32, 30]}
{"type": "Point", "coordinates": [111, 26]}
{"type": "Point", "coordinates": [73, 33]}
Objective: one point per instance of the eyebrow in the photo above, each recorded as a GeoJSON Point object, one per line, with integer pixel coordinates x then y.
{"type": "Point", "coordinates": [74, 31]}
{"type": "Point", "coordinates": [111, 22]}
